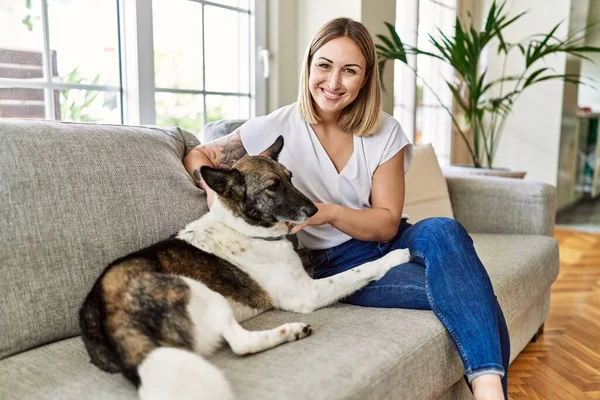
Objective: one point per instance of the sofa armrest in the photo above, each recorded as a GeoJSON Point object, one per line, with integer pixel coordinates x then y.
{"type": "Point", "coordinates": [503, 205]}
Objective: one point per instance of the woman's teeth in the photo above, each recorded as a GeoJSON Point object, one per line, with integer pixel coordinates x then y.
{"type": "Point", "coordinates": [331, 95]}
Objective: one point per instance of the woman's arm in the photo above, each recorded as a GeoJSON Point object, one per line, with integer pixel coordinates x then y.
{"type": "Point", "coordinates": [379, 223]}
{"type": "Point", "coordinates": [223, 152]}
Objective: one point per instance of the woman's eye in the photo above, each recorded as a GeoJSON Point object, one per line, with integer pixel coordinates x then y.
{"type": "Point", "coordinates": [324, 66]}
{"type": "Point", "coordinates": [350, 71]}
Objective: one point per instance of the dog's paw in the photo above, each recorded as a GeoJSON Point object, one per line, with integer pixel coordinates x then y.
{"type": "Point", "coordinates": [396, 257]}
{"type": "Point", "coordinates": [389, 261]}
{"type": "Point", "coordinates": [295, 331]}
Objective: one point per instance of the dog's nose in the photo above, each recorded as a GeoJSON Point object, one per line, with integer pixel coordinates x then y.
{"type": "Point", "coordinates": [310, 210]}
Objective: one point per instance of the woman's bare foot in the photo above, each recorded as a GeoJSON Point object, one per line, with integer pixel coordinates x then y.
{"type": "Point", "coordinates": [487, 387]}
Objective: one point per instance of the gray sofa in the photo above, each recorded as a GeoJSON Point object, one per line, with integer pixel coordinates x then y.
{"type": "Point", "coordinates": [75, 196]}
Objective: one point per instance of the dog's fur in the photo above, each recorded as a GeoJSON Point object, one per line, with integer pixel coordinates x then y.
{"type": "Point", "coordinates": [154, 314]}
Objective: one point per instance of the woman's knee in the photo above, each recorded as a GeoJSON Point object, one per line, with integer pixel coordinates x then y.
{"type": "Point", "coordinates": [437, 235]}
{"type": "Point", "coordinates": [441, 226]}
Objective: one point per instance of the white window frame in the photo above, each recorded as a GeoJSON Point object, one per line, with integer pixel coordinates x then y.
{"type": "Point", "coordinates": [138, 50]}
{"type": "Point", "coordinates": [136, 59]}
{"type": "Point", "coordinates": [46, 83]}
{"type": "Point", "coordinates": [406, 82]}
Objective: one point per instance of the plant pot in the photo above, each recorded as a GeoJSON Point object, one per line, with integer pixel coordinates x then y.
{"type": "Point", "coordinates": [470, 170]}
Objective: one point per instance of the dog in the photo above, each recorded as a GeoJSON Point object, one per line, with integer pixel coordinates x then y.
{"type": "Point", "coordinates": [155, 314]}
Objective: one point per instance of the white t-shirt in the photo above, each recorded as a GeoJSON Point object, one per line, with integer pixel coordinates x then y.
{"type": "Point", "coordinates": [315, 175]}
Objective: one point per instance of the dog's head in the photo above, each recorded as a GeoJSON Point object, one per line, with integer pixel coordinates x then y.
{"type": "Point", "coordinates": [259, 190]}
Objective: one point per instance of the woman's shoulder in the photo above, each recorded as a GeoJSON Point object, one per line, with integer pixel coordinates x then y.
{"type": "Point", "coordinates": [389, 123]}
{"type": "Point", "coordinates": [259, 132]}
{"type": "Point", "coordinates": [281, 117]}
{"type": "Point", "coordinates": [388, 141]}
{"type": "Point", "coordinates": [284, 114]}
{"type": "Point", "coordinates": [389, 126]}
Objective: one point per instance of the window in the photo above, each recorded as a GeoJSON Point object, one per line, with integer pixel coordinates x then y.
{"type": "Point", "coordinates": [420, 101]}
{"type": "Point", "coordinates": [165, 62]}
{"type": "Point", "coordinates": [201, 61]}
{"type": "Point", "coordinates": [59, 70]}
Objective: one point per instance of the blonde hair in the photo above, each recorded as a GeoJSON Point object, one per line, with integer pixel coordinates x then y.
{"type": "Point", "coordinates": [362, 117]}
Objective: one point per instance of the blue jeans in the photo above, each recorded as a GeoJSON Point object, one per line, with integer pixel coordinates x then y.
{"type": "Point", "coordinates": [445, 276]}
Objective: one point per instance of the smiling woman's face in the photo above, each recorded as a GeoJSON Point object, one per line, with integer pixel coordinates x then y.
{"type": "Point", "coordinates": [337, 73]}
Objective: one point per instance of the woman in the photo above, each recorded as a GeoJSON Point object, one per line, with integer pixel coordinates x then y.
{"type": "Point", "coordinates": [350, 158]}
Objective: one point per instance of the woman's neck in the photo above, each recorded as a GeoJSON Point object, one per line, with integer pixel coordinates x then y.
{"type": "Point", "coordinates": [328, 122]}
{"type": "Point", "coordinates": [328, 119]}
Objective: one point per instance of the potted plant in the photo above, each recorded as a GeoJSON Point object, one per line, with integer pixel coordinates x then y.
{"type": "Point", "coordinates": [484, 104]}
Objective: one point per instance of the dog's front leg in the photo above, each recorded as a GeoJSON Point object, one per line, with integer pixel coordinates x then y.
{"type": "Point", "coordinates": [326, 291]}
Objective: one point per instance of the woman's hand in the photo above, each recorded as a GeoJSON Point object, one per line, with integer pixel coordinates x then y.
{"type": "Point", "coordinates": [327, 213]}
{"type": "Point", "coordinates": [223, 152]}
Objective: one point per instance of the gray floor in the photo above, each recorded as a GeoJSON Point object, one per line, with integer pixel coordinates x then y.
{"type": "Point", "coordinates": [583, 216]}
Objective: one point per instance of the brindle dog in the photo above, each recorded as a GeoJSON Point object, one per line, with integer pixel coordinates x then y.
{"type": "Point", "coordinates": [154, 315]}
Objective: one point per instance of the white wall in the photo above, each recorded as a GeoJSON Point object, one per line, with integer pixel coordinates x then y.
{"type": "Point", "coordinates": [281, 41]}
{"type": "Point", "coordinates": [312, 14]}
{"type": "Point", "coordinates": [590, 96]}
{"type": "Point", "coordinates": [531, 136]}
{"type": "Point", "coordinates": [373, 15]}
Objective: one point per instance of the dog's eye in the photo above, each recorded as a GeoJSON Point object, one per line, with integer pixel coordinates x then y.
{"type": "Point", "coordinates": [274, 187]}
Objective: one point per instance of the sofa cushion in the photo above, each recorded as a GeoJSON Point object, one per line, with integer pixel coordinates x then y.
{"type": "Point", "coordinates": [75, 197]}
{"type": "Point", "coordinates": [354, 353]}
{"type": "Point", "coordinates": [521, 267]}
{"type": "Point", "coordinates": [218, 129]}
{"type": "Point", "coordinates": [425, 187]}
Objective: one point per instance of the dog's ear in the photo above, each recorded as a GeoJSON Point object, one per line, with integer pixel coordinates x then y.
{"type": "Point", "coordinates": [225, 182]}
{"type": "Point", "coordinates": [273, 151]}
{"type": "Point", "coordinates": [197, 176]}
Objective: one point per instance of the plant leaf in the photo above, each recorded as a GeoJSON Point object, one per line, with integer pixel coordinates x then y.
{"type": "Point", "coordinates": [534, 75]}
{"type": "Point", "coordinates": [509, 78]}
{"type": "Point", "coordinates": [572, 78]}
{"type": "Point", "coordinates": [394, 35]}
{"type": "Point", "coordinates": [388, 43]}
{"type": "Point", "coordinates": [458, 98]}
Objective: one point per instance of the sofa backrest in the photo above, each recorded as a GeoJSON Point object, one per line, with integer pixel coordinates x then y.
{"type": "Point", "coordinates": [426, 191]}
{"type": "Point", "coordinates": [74, 197]}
